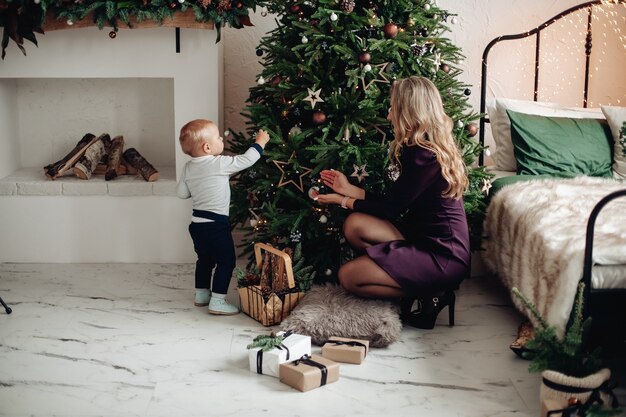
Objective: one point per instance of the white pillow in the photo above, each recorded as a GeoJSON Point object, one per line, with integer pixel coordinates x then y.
{"type": "Point", "coordinates": [616, 116]}
{"type": "Point", "coordinates": [501, 125]}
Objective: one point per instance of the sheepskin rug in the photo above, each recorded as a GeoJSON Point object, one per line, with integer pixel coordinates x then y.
{"type": "Point", "coordinates": [328, 310]}
{"type": "Point", "coordinates": [535, 240]}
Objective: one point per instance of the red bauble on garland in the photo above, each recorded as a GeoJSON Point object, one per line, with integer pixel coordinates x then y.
{"type": "Point", "coordinates": [391, 30]}
{"type": "Point", "coordinates": [472, 129]}
{"type": "Point", "coordinates": [319, 117]}
{"type": "Point", "coordinates": [365, 57]}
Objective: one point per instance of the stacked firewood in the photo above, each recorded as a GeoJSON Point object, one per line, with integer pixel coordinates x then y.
{"type": "Point", "coordinates": [102, 156]}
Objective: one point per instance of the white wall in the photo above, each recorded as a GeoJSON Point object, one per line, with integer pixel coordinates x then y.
{"type": "Point", "coordinates": [9, 145]}
{"type": "Point", "coordinates": [55, 113]}
{"type": "Point", "coordinates": [479, 21]}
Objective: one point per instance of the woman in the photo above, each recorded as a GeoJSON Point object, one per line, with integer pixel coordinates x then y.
{"type": "Point", "coordinates": [415, 239]}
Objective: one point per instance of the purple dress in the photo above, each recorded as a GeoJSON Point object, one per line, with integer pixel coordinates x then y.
{"type": "Point", "coordinates": [436, 254]}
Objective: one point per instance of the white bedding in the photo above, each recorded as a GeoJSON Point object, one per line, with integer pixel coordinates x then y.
{"type": "Point", "coordinates": [535, 240]}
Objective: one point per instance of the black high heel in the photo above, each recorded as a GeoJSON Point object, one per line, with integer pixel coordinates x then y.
{"type": "Point", "coordinates": [428, 309]}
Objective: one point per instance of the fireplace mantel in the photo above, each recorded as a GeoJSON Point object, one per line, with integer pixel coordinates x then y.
{"type": "Point", "coordinates": [128, 220]}
{"type": "Point", "coordinates": [185, 20]}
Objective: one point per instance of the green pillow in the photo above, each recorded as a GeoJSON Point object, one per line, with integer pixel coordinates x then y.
{"type": "Point", "coordinates": [561, 146]}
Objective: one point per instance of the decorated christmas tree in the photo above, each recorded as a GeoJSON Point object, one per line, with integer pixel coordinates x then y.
{"type": "Point", "coordinates": [324, 96]}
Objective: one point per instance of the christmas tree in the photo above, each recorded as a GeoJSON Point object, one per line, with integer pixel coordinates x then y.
{"type": "Point", "coordinates": [324, 96]}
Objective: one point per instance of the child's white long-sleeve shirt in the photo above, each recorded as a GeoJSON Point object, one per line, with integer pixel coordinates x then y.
{"type": "Point", "coordinates": [205, 179]}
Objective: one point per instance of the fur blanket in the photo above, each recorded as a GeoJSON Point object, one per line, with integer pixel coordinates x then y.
{"type": "Point", "coordinates": [535, 239]}
{"type": "Point", "coordinates": [328, 310]}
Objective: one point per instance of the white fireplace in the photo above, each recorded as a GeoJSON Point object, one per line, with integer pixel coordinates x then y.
{"type": "Point", "coordinates": [80, 81]}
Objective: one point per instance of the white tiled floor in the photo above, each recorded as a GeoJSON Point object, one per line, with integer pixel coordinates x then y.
{"type": "Point", "coordinates": [125, 340]}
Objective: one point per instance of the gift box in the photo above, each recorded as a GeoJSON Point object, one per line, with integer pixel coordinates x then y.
{"type": "Point", "coordinates": [293, 346]}
{"type": "Point", "coordinates": [309, 372]}
{"type": "Point", "coordinates": [558, 408]}
{"type": "Point", "coordinates": [341, 349]}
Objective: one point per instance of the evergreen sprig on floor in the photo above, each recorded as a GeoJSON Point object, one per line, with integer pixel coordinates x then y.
{"type": "Point", "coordinates": [323, 95]}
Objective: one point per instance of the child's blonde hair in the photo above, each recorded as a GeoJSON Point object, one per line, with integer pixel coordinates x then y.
{"type": "Point", "coordinates": [418, 118]}
{"type": "Point", "coordinates": [194, 134]}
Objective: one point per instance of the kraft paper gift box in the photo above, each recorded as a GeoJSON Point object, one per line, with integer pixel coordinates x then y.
{"type": "Point", "coordinates": [267, 363]}
{"type": "Point", "coordinates": [341, 349]}
{"type": "Point", "coordinates": [309, 372]}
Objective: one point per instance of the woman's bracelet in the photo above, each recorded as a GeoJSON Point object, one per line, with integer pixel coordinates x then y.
{"type": "Point", "coordinates": [344, 201]}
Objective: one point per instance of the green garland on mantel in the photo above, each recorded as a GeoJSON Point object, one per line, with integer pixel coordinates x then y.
{"type": "Point", "coordinates": [21, 19]}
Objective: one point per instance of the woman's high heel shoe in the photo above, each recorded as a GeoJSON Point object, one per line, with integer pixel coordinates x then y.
{"type": "Point", "coordinates": [428, 309]}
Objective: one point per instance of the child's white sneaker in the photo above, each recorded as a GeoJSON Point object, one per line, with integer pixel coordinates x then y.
{"type": "Point", "coordinates": [203, 296]}
{"type": "Point", "coordinates": [219, 305]}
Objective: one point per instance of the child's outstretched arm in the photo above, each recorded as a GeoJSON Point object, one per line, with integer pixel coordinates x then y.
{"type": "Point", "coordinates": [233, 164]}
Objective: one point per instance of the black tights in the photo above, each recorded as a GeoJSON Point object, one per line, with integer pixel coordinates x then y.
{"type": "Point", "coordinates": [362, 276]}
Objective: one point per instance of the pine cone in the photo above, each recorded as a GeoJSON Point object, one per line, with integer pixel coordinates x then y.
{"type": "Point", "coordinates": [347, 5]}
{"type": "Point", "coordinates": [224, 5]}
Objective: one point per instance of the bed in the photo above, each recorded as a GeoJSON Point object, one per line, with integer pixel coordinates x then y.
{"type": "Point", "coordinates": [557, 208]}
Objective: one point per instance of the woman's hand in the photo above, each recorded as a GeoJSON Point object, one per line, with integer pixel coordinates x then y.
{"type": "Point", "coordinates": [337, 181]}
{"type": "Point", "coordinates": [329, 198]}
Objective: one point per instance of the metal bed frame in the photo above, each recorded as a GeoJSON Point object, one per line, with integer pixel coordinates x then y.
{"type": "Point", "coordinates": [589, 6]}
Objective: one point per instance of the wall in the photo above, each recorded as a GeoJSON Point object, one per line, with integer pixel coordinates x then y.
{"type": "Point", "coordinates": [479, 21]}
{"type": "Point", "coordinates": [140, 109]}
{"type": "Point", "coordinates": [9, 145]}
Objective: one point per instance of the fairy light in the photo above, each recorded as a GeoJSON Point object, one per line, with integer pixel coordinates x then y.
{"type": "Point", "coordinates": [563, 52]}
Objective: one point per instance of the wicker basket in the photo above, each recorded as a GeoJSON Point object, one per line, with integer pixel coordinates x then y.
{"type": "Point", "coordinates": [269, 306]}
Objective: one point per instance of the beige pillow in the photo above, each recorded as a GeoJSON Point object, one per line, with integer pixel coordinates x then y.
{"type": "Point", "coordinates": [501, 125]}
{"type": "Point", "coordinates": [616, 116]}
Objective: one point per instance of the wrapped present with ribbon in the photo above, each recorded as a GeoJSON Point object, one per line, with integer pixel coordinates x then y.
{"type": "Point", "coordinates": [309, 372]}
{"type": "Point", "coordinates": [267, 352]}
{"type": "Point", "coordinates": [341, 349]}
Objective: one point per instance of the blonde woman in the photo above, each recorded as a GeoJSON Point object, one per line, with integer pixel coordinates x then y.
{"type": "Point", "coordinates": [415, 239]}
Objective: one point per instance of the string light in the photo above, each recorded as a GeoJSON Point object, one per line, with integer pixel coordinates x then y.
{"type": "Point", "coordinates": [563, 52]}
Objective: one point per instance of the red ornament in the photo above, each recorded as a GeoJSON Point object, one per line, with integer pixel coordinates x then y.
{"type": "Point", "coordinates": [319, 117]}
{"type": "Point", "coordinates": [391, 30]}
{"type": "Point", "coordinates": [112, 34]}
{"type": "Point", "coordinates": [445, 68]}
{"type": "Point", "coordinates": [276, 80]}
{"type": "Point", "coordinates": [314, 22]}
{"type": "Point", "coordinates": [365, 57]}
{"type": "Point", "coordinates": [472, 129]}
{"type": "Point", "coordinates": [239, 5]}
{"type": "Point", "coordinates": [294, 8]}
{"type": "Point", "coordinates": [172, 5]}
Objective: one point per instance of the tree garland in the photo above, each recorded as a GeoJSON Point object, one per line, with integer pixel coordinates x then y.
{"type": "Point", "coordinates": [21, 19]}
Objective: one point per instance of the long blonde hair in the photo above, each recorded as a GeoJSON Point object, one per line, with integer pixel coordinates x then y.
{"type": "Point", "coordinates": [418, 118]}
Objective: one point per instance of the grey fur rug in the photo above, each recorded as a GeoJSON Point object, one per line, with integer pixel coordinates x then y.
{"type": "Point", "coordinates": [328, 310]}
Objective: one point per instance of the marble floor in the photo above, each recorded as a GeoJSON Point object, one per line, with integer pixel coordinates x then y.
{"type": "Point", "coordinates": [125, 340]}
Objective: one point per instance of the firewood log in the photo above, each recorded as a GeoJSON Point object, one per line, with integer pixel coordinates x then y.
{"type": "Point", "coordinates": [58, 168]}
{"type": "Point", "coordinates": [266, 271]}
{"type": "Point", "coordinates": [147, 171]}
{"type": "Point", "coordinates": [130, 170]}
{"type": "Point", "coordinates": [89, 161]}
{"type": "Point", "coordinates": [101, 169]}
{"type": "Point", "coordinates": [279, 281]}
{"type": "Point", "coordinates": [115, 157]}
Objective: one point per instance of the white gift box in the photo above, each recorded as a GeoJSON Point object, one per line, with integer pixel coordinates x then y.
{"type": "Point", "coordinates": [268, 363]}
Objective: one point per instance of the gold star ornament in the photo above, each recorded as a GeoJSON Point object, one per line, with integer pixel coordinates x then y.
{"type": "Point", "coordinates": [314, 97]}
{"type": "Point", "coordinates": [381, 77]}
{"type": "Point", "coordinates": [291, 176]}
{"type": "Point", "coordinates": [359, 172]}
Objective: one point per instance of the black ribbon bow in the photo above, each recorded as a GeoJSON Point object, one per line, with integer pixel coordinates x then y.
{"type": "Point", "coordinates": [573, 410]}
{"type": "Point", "coordinates": [350, 343]}
{"type": "Point", "coordinates": [306, 359]}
